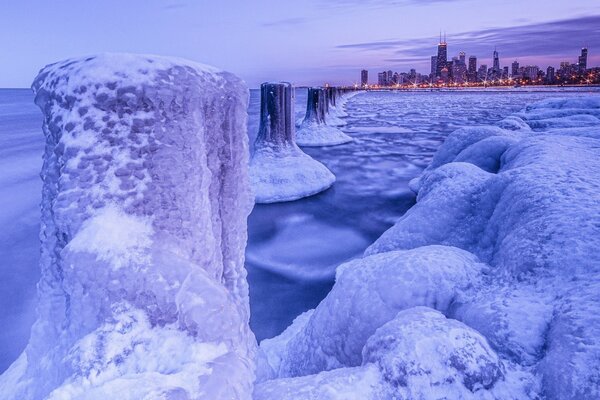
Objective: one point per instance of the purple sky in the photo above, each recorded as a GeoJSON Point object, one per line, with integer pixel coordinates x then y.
{"type": "Point", "coordinates": [306, 42]}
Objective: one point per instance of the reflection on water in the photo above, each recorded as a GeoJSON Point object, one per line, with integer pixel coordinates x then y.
{"type": "Point", "coordinates": [294, 247]}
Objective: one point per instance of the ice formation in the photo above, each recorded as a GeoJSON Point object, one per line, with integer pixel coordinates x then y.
{"type": "Point", "coordinates": [145, 198]}
{"type": "Point", "coordinates": [489, 287]}
{"type": "Point", "coordinates": [279, 170]}
{"type": "Point", "coordinates": [314, 129]}
{"type": "Point", "coordinates": [333, 113]}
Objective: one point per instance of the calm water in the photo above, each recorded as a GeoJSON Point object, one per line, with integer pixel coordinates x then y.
{"type": "Point", "coordinates": [293, 247]}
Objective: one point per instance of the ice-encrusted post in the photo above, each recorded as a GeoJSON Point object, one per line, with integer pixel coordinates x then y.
{"type": "Point", "coordinates": [143, 292]}
{"type": "Point", "coordinates": [314, 130]}
{"type": "Point", "coordinates": [276, 112]}
{"type": "Point", "coordinates": [279, 170]}
{"type": "Point", "coordinates": [333, 112]}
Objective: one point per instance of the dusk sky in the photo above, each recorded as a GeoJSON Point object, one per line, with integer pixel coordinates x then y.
{"type": "Point", "coordinates": [305, 42]}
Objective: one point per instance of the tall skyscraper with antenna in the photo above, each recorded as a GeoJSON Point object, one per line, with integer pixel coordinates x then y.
{"type": "Point", "coordinates": [442, 56]}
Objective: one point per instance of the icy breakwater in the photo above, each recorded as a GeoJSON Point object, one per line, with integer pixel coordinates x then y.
{"type": "Point", "coordinates": [489, 287]}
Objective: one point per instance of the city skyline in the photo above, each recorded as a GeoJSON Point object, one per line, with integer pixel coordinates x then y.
{"type": "Point", "coordinates": [445, 69]}
{"type": "Point", "coordinates": [306, 42]}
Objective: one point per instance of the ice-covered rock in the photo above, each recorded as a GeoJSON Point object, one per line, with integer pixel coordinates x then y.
{"type": "Point", "coordinates": [279, 169]}
{"type": "Point", "coordinates": [368, 293]}
{"type": "Point", "coordinates": [522, 206]}
{"type": "Point", "coordinates": [314, 130]}
{"type": "Point", "coordinates": [536, 222]}
{"type": "Point", "coordinates": [143, 292]}
{"type": "Point", "coordinates": [424, 355]}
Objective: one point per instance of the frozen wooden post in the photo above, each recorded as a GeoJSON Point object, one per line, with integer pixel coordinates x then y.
{"type": "Point", "coordinates": [314, 130]}
{"type": "Point", "coordinates": [279, 169]}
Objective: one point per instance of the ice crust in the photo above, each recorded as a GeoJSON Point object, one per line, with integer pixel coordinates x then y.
{"type": "Point", "coordinates": [143, 292]}
{"type": "Point", "coordinates": [487, 288]}
{"type": "Point", "coordinates": [279, 169]}
{"type": "Point", "coordinates": [314, 129]}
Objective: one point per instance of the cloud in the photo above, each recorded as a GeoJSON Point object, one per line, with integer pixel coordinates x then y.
{"type": "Point", "coordinates": [548, 39]}
{"type": "Point", "coordinates": [174, 6]}
{"type": "Point", "coordinates": [382, 3]}
{"type": "Point", "coordinates": [285, 22]}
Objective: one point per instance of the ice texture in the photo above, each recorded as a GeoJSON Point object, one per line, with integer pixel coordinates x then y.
{"type": "Point", "coordinates": [488, 287]}
{"type": "Point", "coordinates": [146, 193]}
{"type": "Point", "coordinates": [314, 129]}
{"type": "Point", "coordinates": [279, 169]}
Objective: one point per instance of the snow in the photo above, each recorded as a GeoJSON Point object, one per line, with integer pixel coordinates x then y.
{"type": "Point", "coordinates": [500, 247]}
{"type": "Point", "coordinates": [279, 170]}
{"type": "Point", "coordinates": [145, 198]}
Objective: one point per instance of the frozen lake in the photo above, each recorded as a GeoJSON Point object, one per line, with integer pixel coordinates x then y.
{"type": "Point", "coordinates": [293, 247]}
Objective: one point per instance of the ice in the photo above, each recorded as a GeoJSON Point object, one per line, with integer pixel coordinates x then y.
{"type": "Point", "coordinates": [517, 210]}
{"type": "Point", "coordinates": [396, 134]}
{"type": "Point", "coordinates": [380, 286]}
{"type": "Point", "coordinates": [360, 383]}
{"type": "Point", "coordinates": [145, 198]}
{"type": "Point", "coordinates": [314, 130]}
{"type": "Point", "coordinates": [296, 252]}
{"type": "Point", "coordinates": [333, 114]}
{"type": "Point", "coordinates": [279, 170]}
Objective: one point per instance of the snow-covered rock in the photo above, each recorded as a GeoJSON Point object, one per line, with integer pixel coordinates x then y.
{"type": "Point", "coordinates": [519, 201]}
{"type": "Point", "coordinates": [279, 169]}
{"type": "Point", "coordinates": [314, 130]}
{"type": "Point", "coordinates": [143, 292]}
{"type": "Point", "coordinates": [368, 293]}
{"type": "Point", "coordinates": [424, 354]}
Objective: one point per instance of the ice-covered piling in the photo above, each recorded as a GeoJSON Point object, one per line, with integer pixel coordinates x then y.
{"type": "Point", "coordinates": [279, 170]}
{"type": "Point", "coordinates": [314, 130]}
{"type": "Point", "coordinates": [332, 113]}
{"type": "Point", "coordinates": [143, 292]}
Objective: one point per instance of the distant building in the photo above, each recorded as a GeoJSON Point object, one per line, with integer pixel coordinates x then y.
{"type": "Point", "coordinates": [382, 78]}
{"type": "Point", "coordinates": [389, 78]}
{"type": "Point", "coordinates": [459, 69]}
{"type": "Point", "coordinates": [482, 72]}
{"type": "Point", "coordinates": [462, 56]}
{"type": "Point", "coordinates": [472, 71]}
{"type": "Point", "coordinates": [550, 78]}
{"type": "Point", "coordinates": [444, 75]}
{"type": "Point", "coordinates": [496, 67]}
{"type": "Point", "coordinates": [514, 69]}
{"type": "Point", "coordinates": [364, 78]}
{"type": "Point", "coordinates": [433, 66]}
{"type": "Point", "coordinates": [531, 72]}
{"type": "Point", "coordinates": [505, 73]}
{"type": "Point", "coordinates": [442, 58]}
{"type": "Point", "coordinates": [583, 60]}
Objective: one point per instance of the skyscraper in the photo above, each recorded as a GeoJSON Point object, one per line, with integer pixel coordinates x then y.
{"type": "Point", "coordinates": [496, 67]}
{"type": "Point", "coordinates": [472, 72]}
{"type": "Point", "coordinates": [550, 75]}
{"type": "Point", "coordinates": [482, 72]}
{"type": "Point", "coordinates": [583, 59]}
{"type": "Point", "coordinates": [442, 57]}
{"type": "Point", "coordinates": [462, 56]}
{"type": "Point", "coordinates": [364, 78]}
{"type": "Point", "coordinates": [433, 66]}
{"type": "Point", "coordinates": [382, 78]}
{"type": "Point", "coordinates": [515, 69]}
